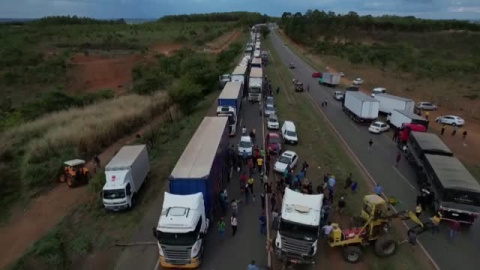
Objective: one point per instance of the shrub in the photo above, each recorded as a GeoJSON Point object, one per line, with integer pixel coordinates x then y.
{"type": "Point", "coordinates": [186, 94]}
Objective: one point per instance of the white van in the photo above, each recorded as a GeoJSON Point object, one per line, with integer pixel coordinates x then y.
{"type": "Point", "coordinates": [378, 90]}
{"type": "Point", "coordinates": [289, 132]}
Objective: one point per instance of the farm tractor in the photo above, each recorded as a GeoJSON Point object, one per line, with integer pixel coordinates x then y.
{"type": "Point", "coordinates": [75, 173]}
{"type": "Point", "coordinates": [372, 229]}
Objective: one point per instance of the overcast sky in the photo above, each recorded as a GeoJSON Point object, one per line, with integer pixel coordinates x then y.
{"type": "Point", "coordinates": [460, 9]}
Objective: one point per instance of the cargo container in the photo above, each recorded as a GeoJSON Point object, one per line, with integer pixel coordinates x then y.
{"type": "Point", "coordinates": [360, 107]}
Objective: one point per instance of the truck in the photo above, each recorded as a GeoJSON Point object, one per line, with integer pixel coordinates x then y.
{"type": "Point", "coordinates": [223, 79]}
{"type": "Point", "coordinates": [388, 103]}
{"type": "Point", "coordinates": [124, 176]}
{"type": "Point", "coordinates": [330, 79]}
{"type": "Point", "coordinates": [398, 118]}
{"type": "Point", "coordinates": [198, 177]}
{"type": "Point", "coordinates": [239, 74]}
{"type": "Point", "coordinates": [298, 227]}
{"type": "Point", "coordinates": [360, 107]}
{"type": "Point", "coordinates": [229, 104]}
{"type": "Point", "coordinates": [255, 84]}
{"type": "Point", "coordinates": [256, 62]}
{"type": "Point", "coordinates": [446, 184]}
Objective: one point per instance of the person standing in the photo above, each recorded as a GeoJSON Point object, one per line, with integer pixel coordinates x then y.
{"type": "Point", "coordinates": [454, 229]}
{"type": "Point", "coordinates": [250, 184]}
{"type": "Point", "coordinates": [243, 181]}
{"type": "Point", "coordinates": [341, 205]}
{"type": "Point", "coordinates": [427, 114]}
{"type": "Point", "coordinates": [378, 189]}
{"type": "Point", "coordinates": [435, 222]}
{"type": "Point", "coordinates": [395, 136]}
{"type": "Point", "coordinates": [348, 182]}
{"type": "Point", "coordinates": [398, 158]}
{"type": "Point", "coordinates": [370, 143]}
{"type": "Point", "coordinates": [234, 223]}
{"type": "Point", "coordinates": [354, 186]}
{"type": "Point", "coordinates": [331, 182]}
{"type": "Point", "coordinates": [267, 167]}
{"type": "Point", "coordinates": [308, 88]}
{"type": "Point", "coordinates": [326, 103]}
{"type": "Point", "coordinates": [418, 210]}
{"type": "Point", "coordinates": [262, 200]}
{"type": "Point", "coordinates": [464, 135]}
{"type": "Point", "coordinates": [327, 229]}
{"type": "Point", "coordinates": [252, 266]}
{"type": "Point", "coordinates": [278, 90]}
{"type": "Point", "coordinates": [250, 166]}
{"type": "Point", "coordinates": [245, 157]}
{"type": "Point", "coordinates": [273, 202]}
{"type": "Point", "coordinates": [221, 228]}
{"type": "Point", "coordinates": [305, 167]}
{"type": "Point", "coordinates": [442, 130]}
{"type": "Point", "coordinates": [454, 130]}
{"type": "Point", "coordinates": [263, 224]}
{"type": "Point", "coordinates": [234, 205]}
{"type": "Point", "coordinates": [244, 130]}
{"type": "Point", "coordinates": [260, 165]}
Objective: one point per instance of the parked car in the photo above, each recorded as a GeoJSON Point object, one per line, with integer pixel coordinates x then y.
{"type": "Point", "coordinates": [291, 66]}
{"type": "Point", "coordinates": [317, 74]}
{"type": "Point", "coordinates": [272, 122]}
{"type": "Point", "coordinates": [269, 101]}
{"type": "Point", "coordinates": [378, 90]}
{"type": "Point", "coordinates": [378, 127]}
{"type": "Point", "coordinates": [274, 143]}
{"type": "Point", "coordinates": [358, 81]}
{"type": "Point", "coordinates": [289, 132]}
{"type": "Point", "coordinates": [338, 95]}
{"type": "Point", "coordinates": [245, 144]}
{"type": "Point", "coordinates": [426, 106]}
{"type": "Point", "coordinates": [341, 74]}
{"type": "Point", "coordinates": [298, 87]}
{"type": "Point", "coordinates": [450, 120]}
{"type": "Point", "coordinates": [269, 109]}
{"type": "Point", "coordinates": [288, 159]}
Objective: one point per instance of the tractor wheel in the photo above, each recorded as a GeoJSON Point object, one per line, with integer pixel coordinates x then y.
{"type": "Point", "coordinates": [70, 181]}
{"type": "Point", "coordinates": [352, 254]}
{"type": "Point", "coordinates": [385, 246]}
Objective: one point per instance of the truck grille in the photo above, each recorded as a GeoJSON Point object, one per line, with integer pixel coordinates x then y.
{"type": "Point", "coordinates": [296, 247]}
{"type": "Point", "coordinates": [177, 254]}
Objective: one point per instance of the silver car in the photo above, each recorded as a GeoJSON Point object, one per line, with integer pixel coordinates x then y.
{"type": "Point", "coordinates": [426, 106]}
{"type": "Point", "coordinates": [269, 109]}
{"type": "Point", "coordinates": [269, 101]}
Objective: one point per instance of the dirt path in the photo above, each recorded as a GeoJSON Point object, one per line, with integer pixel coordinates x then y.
{"type": "Point", "coordinates": [221, 43]}
{"type": "Point", "coordinates": [46, 211]}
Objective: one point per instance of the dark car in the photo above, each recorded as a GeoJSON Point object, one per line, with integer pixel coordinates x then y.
{"type": "Point", "coordinates": [291, 66]}
{"type": "Point", "coordinates": [299, 87]}
{"type": "Point", "coordinates": [316, 74]}
{"type": "Point", "coordinates": [273, 142]}
{"type": "Point", "coordinates": [353, 88]}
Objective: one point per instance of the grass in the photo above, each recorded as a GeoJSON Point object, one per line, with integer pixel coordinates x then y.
{"type": "Point", "coordinates": [33, 153]}
{"type": "Point", "coordinates": [324, 152]}
{"type": "Point", "coordinates": [89, 228]}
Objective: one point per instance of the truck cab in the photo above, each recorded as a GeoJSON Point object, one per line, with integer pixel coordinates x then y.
{"type": "Point", "coordinates": [231, 113]}
{"type": "Point", "coordinates": [117, 192]}
{"type": "Point", "coordinates": [181, 231]}
{"type": "Point", "coordinates": [298, 227]}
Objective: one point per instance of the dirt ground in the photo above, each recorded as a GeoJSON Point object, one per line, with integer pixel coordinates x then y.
{"type": "Point", "coordinates": [165, 49]}
{"type": "Point", "coordinates": [438, 91]}
{"type": "Point", "coordinates": [221, 43]}
{"type": "Point", "coordinates": [47, 210]}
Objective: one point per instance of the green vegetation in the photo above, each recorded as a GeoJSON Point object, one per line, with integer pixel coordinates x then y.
{"type": "Point", "coordinates": [429, 48]}
{"type": "Point", "coordinates": [242, 18]}
{"type": "Point", "coordinates": [326, 153]}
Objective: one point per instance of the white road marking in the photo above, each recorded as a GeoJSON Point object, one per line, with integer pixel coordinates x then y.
{"type": "Point", "coordinates": [157, 264]}
{"type": "Point", "coordinates": [355, 126]}
{"type": "Point", "coordinates": [240, 125]}
{"type": "Point", "coordinates": [403, 177]}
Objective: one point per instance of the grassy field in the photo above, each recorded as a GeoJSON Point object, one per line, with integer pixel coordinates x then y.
{"type": "Point", "coordinates": [89, 228]}
{"type": "Point", "coordinates": [324, 152]}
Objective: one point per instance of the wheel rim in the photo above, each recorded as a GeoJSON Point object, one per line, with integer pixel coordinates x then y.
{"type": "Point", "coordinates": [388, 248]}
{"type": "Point", "coordinates": [352, 256]}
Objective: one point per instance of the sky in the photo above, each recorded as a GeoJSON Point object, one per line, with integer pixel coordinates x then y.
{"type": "Point", "coordinates": [458, 9]}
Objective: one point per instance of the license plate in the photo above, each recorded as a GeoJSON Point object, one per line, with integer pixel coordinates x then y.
{"type": "Point", "coordinates": [455, 214]}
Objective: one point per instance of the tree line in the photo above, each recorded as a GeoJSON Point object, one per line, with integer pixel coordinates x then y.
{"type": "Point", "coordinates": [246, 18]}
{"type": "Point", "coordinates": [72, 20]}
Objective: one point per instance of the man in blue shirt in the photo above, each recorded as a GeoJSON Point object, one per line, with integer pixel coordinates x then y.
{"type": "Point", "coordinates": [252, 266]}
{"type": "Point", "coordinates": [378, 190]}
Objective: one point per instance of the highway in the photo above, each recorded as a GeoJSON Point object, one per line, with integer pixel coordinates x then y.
{"type": "Point", "coordinates": [461, 252]}
{"type": "Point", "coordinates": [231, 253]}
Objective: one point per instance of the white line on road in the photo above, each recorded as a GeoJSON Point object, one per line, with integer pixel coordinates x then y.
{"type": "Point", "coordinates": [240, 125]}
{"type": "Point", "coordinates": [403, 177]}
{"type": "Point", "coordinates": [355, 126]}
{"type": "Point", "coordinates": [157, 264]}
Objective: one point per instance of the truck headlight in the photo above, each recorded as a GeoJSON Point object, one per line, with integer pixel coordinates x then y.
{"type": "Point", "coordinates": [196, 249]}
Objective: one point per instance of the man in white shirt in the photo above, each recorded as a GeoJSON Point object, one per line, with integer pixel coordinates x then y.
{"type": "Point", "coordinates": [327, 229]}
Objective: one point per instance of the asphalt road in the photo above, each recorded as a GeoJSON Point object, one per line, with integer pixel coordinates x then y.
{"type": "Point", "coordinates": [231, 253]}
{"type": "Point", "coordinates": [460, 253]}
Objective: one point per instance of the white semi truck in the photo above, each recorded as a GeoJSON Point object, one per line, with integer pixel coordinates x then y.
{"type": "Point", "coordinates": [360, 107]}
{"type": "Point", "coordinates": [255, 84]}
{"type": "Point", "coordinates": [388, 103]}
{"type": "Point", "coordinates": [181, 230]}
{"type": "Point", "coordinates": [124, 176]}
{"type": "Point", "coordinates": [298, 227]}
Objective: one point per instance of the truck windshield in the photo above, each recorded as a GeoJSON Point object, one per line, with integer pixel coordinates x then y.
{"type": "Point", "coordinates": [254, 89]}
{"type": "Point", "coordinates": [177, 239]}
{"type": "Point", "coordinates": [114, 194]}
{"type": "Point", "coordinates": [298, 231]}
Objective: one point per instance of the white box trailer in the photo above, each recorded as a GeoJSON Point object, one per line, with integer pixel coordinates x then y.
{"type": "Point", "coordinates": [360, 107]}
{"type": "Point", "coordinates": [239, 74]}
{"type": "Point", "coordinates": [400, 117]}
{"type": "Point", "coordinates": [125, 175]}
{"type": "Point", "coordinates": [330, 79]}
{"type": "Point", "coordinates": [388, 103]}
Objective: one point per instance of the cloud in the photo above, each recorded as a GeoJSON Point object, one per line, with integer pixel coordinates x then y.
{"type": "Point", "coordinates": [156, 8]}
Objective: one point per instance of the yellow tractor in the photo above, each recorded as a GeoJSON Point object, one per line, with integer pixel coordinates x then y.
{"type": "Point", "coordinates": [372, 229]}
{"type": "Point", "coordinates": [75, 173]}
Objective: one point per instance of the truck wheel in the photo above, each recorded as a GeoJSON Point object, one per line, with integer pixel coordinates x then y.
{"type": "Point", "coordinates": [385, 246]}
{"type": "Point", "coordinates": [134, 201]}
{"type": "Point", "coordinates": [352, 254]}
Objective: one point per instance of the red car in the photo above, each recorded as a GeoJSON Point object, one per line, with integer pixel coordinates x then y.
{"type": "Point", "coordinates": [273, 142]}
{"type": "Point", "coordinates": [316, 75]}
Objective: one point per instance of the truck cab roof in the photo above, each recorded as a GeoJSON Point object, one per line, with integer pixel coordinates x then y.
{"type": "Point", "coordinates": [180, 213]}
{"type": "Point", "coordinates": [301, 208]}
